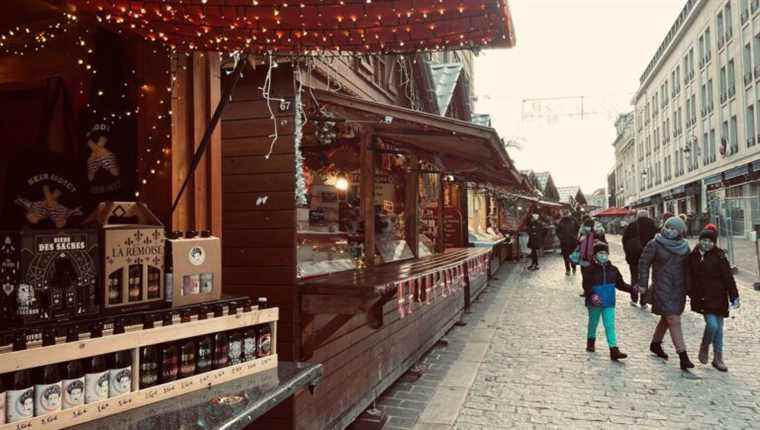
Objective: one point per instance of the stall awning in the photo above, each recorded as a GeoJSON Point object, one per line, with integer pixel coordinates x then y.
{"type": "Point", "coordinates": [736, 172]}
{"type": "Point", "coordinates": [474, 151]}
{"type": "Point", "coordinates": [613, 212]}
{"type": "Point", "coordinates": [261, 26]}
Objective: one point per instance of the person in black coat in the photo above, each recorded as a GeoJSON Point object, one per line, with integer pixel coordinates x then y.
{"type": "Point", "coordinates": [567, 233]}
{"type": "Point", "coordinates": [712, 286]}
{"type": "Point", "coordinates": [535, 239]}
{"type": "Point", "coordinates": [635, 237]}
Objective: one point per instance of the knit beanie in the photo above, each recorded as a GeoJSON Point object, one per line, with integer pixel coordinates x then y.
{"type": "Point", "coordinates": [676, 223]}
{"type": "Point", "coordinates": [709, 234]}
{"type": "Point", "coordinates": [600, 246]}
{"type": "Point", "coordinates": [712, 227]}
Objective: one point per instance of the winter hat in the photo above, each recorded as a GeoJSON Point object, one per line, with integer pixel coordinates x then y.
{"type": "Point", "coordinates": [666, 216]}
{"type": "Point", "coordinates": [675, 223]}
{"type": "Point", "coordinates": [712, 227]}
{"type": "Point", "coordinates": [709, 234]}
{"type": "Point", "coordinates": [600, 246]}
{"type": "Point", "coordinates": [587, 221]}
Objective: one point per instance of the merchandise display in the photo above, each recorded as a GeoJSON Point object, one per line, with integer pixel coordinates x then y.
{"type": "Point", "coordinates": [194, 268]}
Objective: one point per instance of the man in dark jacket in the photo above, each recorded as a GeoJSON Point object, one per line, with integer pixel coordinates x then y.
{"type": "Point", "coordinates": [535, 239]}
{"type": "Point", "coordinates": [635, 238]}
{"type": "Point", "coordinates": [567, 232]}
{"type": "Point", "coordinates": [711, 286]}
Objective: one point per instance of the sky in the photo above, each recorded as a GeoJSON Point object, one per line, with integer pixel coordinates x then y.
{"type": "Point", "coordinates": [594, 52]}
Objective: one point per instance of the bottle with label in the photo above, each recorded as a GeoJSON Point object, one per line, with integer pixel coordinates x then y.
{"type": "Point", "coordinates": [120, 367]}
{"type": "Point", "coordinates": [235, 350]}
{"type": "Point", "coordinates": [19, 397]}
{"type": "Point", "coordinates": [72, 385]}
{"type": "Point", "coordinates": [96, 372]}
{"type": "Point", "coordinates": [187, 362]}
{"type": "Point", "coordinates": [135, 284]}
{"type": "Point", "coordinates": [2, 400]}
{"type": "Point", "coordinates": [169, 266]}
{"type": "Point", "coordinates": [204, 354]}
{"type": "Point", "coordinates": [169, 362]}
{"type": "Point", "coordinates": [264, 335]}
{"type": "Point", "coordinates": [262, 303]}
{"type": "Point", "coordinates": [249, 343]}
{"type": "Point", "coordinates": [149, 366]}
{"type": "Point", "coordinates": [221, 350]}
{"type": "Point", "coordinates": [47, 382]}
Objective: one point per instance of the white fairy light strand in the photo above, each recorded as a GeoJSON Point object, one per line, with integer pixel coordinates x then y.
{"type": "Point", "coordinates": [298, 123]}
{"type": "Point", "coordinates": [265, 90]}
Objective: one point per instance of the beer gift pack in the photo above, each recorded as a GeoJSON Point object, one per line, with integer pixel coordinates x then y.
{"type": "Point", "coordinates": [48, 274]}
{"type": "Point", "coordinates": [196, 268]}
{"type": "Point", "coordinates": [132, 242]}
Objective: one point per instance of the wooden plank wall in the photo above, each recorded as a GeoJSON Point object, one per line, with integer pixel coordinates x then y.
{"type": "Point", "coordinates": [258, 200]}
{"type": "Point", "coordinates": [361, 362]}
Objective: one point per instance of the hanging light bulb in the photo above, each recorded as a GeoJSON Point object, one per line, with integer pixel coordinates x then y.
{"type": "Point", "coordinates": [341, 184]}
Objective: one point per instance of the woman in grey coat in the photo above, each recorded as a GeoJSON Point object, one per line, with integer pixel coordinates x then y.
{"type": "Point", "coordinates": [667, 255]}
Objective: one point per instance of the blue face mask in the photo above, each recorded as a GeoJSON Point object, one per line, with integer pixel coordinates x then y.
{"type": "Point", "coordinates": [670, 233]}
{"type": "Point", "coordinates": [706, 245]}
{"type": "Point", "coordinates": [602, 257]}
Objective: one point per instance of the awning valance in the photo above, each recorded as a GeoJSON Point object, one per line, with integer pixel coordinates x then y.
{"type": "Point", "coordinates": [474, 151]}
{"type": "Point", "coordinates": [303, 26]}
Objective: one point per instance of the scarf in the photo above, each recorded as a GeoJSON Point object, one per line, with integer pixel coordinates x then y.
{"type": "Point", "coordinates": [587, 247]}
{"type": "Point", "coordinates": [675, 246]}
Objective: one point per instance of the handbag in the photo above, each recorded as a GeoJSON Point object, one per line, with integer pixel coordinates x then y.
{"type": "Point", "coordinates": [606, 293]}
{"type": "Point", "coordinates": [575, 257]}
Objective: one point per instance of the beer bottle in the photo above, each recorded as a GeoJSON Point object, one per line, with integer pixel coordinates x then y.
{"type": "Point", "coordinates": [221, 350]}
{"type": "Point", "coordinates": [73, 376]}
{"type": "Point", "coordinates": [187, 358]}
{"type": "Point", "coordinates": [19, 396]}
{"type": "Point", "coordinates": [262, 303]}
{"type": "Point", "coordinates": [235, 350]}
{"type": "Point", "coordinates": [47, 382]}
{"type": "Point", "coordinates": [249, 343]}
{"type": "Point", "coordinates": [167, 357]}
{"type": "Point", "coordinates": [96, 372]}
{"type": "Point", "coordinates": [264, 335]}
{"type": "Point", "coordinates": [148, 359]}
{"type": "Point", "coordinates": [120, 367]}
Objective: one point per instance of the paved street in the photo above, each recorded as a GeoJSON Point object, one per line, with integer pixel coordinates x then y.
{"type": "Point", "coordinates": [520, 363]}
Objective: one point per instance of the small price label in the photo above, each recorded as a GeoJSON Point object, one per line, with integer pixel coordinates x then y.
{"type": "Point", "coordinates": [79, 412]}
{"type": "Point", "coordinates": [187, 384]}
{"type": "Point", "coordinates": [49, 419]}
{"type": "Point", "coordinates": [252, 365]}
{"type": "Point", "coordinates": [26, 425]}
{"type": "Point", "coordinates": [169, 388]}
{"type": "Point", "coordinates": [205, 379]}
{"type": "Point", "coordinates": [151, 394]}
{"type": "Point", "coordinates": [125, 401]}
{"type": "Point", "coordinates": [219, 375]}
{"type": "Point", "coordinates": [237, 369]}
{"type": "Point", "coordinates": [103, 406]}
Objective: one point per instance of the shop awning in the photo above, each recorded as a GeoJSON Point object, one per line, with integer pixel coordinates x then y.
{"type": "Point", "coordinates": [736, 172]}
{"type": "Point", "coordinates": [474, 151]}
{"type": "Point", "coordinates": [712, 180]}
{"type": "Point", "coordinates": [306, 26]}
{"type": "Point", "coordinates": [613, 212]}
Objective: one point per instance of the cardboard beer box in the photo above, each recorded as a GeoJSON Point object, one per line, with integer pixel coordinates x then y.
{"type": "Point", "coordinates": [196, 265]}
{"type": "Point", "coordinates": [132, 239]}
{"type": "Point", "coordinates": [48, 274]}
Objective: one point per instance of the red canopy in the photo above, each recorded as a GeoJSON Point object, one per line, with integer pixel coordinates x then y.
{"type": "Point", "coordinates": [306, 26]}
{"type": "Point", "coordinates": [613, 212]}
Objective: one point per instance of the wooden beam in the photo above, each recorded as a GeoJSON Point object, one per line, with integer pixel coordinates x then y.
{"type": "Point", "coordinates": [316, 304]}
{"type": "Point", "coordinates": [441, 242]}
{"type": "Point", "coordinates": [411, 204]}
{"type": "Point", "coordinates": [215, 149]}
{"type": "Point", "coordinates": [181, 135]}
{"type": "Point", "coordinates": [318, 337]}
{"type": "Point", "coordinates": [200, 109]}
{"type": "Point", "coordinates": [367, 192]}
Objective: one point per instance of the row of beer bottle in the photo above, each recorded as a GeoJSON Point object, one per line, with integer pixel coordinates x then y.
{"type": "Point", "coordinates": [53, 387]}
{"type": "Point", "coordinates": [170, 361]}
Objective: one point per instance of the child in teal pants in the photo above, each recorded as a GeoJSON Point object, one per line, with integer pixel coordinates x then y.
{"type": "Point", "coordinates": [600, 282]}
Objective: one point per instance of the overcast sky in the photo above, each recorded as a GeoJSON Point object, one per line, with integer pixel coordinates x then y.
{"type": "Point", "coordinates": [595, 49]}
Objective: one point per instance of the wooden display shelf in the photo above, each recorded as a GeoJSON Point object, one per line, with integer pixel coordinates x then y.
{"type": "Point", "coordinates": [136, 399]}
{"type": "Point", "coordinates": [62, 352]}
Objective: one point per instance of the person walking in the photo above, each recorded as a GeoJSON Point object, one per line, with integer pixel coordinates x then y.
{"type": "Point", "coordinates": [587, 238]}
{"type": "Point", "coordinates": [712, 286]}
{"type": "Point", "coordinates": [567, 232]}
{"type": "Point", "coordinates": [535, 239]}
{"type": "Point", "coordinates": [667, 255]}
{"type": "Point", "coordinates": [599, 284]}
{"type": "Point", "coordinates": [635, 237]}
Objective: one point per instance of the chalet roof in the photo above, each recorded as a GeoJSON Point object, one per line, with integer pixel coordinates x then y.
{"type": "Point", "coordinates": [568, 193]}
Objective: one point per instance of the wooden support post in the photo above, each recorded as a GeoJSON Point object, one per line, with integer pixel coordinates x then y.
{"type": "Point", "coordinates": [412, 205]}
{"type": "Point", "coordinates": [201, 115]}
{"type": "Point", "coordinates": [441, 242]}
{"type": "Point", "coordinates": [367, 189]}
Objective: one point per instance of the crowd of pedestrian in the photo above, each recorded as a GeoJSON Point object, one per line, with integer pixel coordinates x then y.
{"type": "Point", "coordinates": [702, 274]}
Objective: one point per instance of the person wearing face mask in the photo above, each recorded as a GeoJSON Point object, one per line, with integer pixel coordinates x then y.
{"type": "Point", "coordinates": [535, 239]}
{"type": "Point", "coordinates": [600, 282]}
{"type": "Point", "coordinates": [667, 256]}
{"type": "Point", "coordinates": [712, 287]}
{"type": "Point", "coordinates": [587, 238]}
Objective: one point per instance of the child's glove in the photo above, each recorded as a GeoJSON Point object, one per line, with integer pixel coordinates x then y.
{"type": "Point", "coordinates": [595, 300]}
{"type": "Point", "coordinates": [634, 293]}
{"type": "Point", "coordinates": [735, 303]}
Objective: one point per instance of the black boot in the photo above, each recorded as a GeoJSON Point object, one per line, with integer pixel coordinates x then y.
{"type": "Point", "coordinates": [656, 348]}
{"type": "Point", "coordinates": [616, 355]}
{"type": "Point", "coordinates": [685, 362]}
{"type": "Point", "coordinates": [590, 345]}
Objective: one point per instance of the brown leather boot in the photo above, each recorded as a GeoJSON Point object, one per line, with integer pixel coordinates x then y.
{"type": "Point", "coordinates": [704, 353]}
{"type": "Point", "coordinates": [718, 362]}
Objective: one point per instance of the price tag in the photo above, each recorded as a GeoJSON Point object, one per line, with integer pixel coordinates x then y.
{"type": "Point", "coordinates": [79, 412]}
{"type": "Point", "coordinates": [49, 419]}
{"type": "Point", "coordinates": [102, 407]}
{"type": "Point", "coordinates": [151, 394]}
{"type": "Point", "coordinates": [205, 379]}
{"type": "Point", "coordinates": [188, 383]}
{"type": "Point", "coordinates": [24, 425]}
{"type": "Point", "coordinates": [125, 401]}
{"type": "Point", "coordinates": [169, 389]}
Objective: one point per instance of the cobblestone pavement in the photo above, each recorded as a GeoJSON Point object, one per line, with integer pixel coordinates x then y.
{"type": "Point", "coordinates": [528, 368]}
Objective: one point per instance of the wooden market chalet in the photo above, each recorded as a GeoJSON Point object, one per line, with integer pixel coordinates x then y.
{"type": "Point", "coordinates": [330, 145]}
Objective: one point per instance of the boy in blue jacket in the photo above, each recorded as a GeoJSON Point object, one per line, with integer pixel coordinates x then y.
{"type": "Point", "coordinates": [601, 280]}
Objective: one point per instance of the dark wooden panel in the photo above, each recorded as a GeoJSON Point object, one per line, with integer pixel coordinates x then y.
{"type": "Point", "coordinates": [262, 238]}
{"type": "Point", "coordinates": [258, 183]}
{"type": "Point", "coordinates": [258, 164]}
{"type": "Point", "coordinates": [257, 127]}
{"type": "Point", "coordinates": [259, 219]}
{"type": "Point", "coordinates": [275, 201]}
{"type": "Point", "coordinates": [257, 146]}
{"type": "Point", "coordinates": [258, 257]}
{"type": "Point", "coordinates": [256, 109]}
{"type": "Point", "coordinates": [249, 275]}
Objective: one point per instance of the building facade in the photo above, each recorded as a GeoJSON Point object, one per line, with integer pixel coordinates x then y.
{"type": "Point", "coordinates": [697, 116]}
{"type": "Point", "coordinates": [626, 168]}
